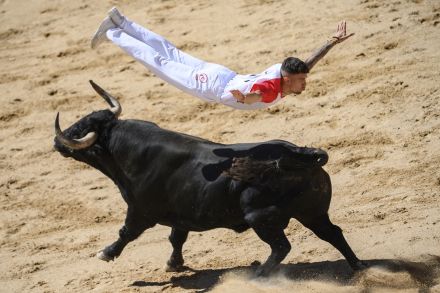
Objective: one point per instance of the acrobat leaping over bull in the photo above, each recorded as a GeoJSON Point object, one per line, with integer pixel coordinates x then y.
{"type": "Point", "coordinates": [192, 184]}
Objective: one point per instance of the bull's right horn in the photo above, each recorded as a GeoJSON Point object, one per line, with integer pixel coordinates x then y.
{"type": "Point", "coordinates": [115, 106]}
{"type": "Point", "coordinates": [75, 144]}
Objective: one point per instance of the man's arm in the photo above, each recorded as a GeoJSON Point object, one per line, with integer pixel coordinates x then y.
{"type": "Point", "coordinates": [249, 98]}
{"type": "Point", "coordinates": [338, 37]}
{"type": "Point", "coordinates": [318, 54]}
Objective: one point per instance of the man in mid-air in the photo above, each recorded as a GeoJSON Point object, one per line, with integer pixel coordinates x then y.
{"type": "Point", "coordinates": [209, 81]}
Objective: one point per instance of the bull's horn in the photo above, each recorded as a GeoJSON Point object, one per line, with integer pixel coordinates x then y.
{"type": "Point", "coordinates": [115, 106]}
{"type": "Point", "coordinates": [76, 144]}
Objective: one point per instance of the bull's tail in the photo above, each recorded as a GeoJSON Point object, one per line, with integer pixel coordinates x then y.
{"type": "Point", "coordinates": [304, 157]}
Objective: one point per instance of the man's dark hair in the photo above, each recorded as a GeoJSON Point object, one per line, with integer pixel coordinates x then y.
{"type": "Point", "coordinates": [294, 65]}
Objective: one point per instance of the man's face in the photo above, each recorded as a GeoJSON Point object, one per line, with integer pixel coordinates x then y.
{"type": "Point", "coordinates": [294, 83]}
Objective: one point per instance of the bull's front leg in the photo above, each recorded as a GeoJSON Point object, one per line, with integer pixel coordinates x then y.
{"type": "Point", "coordinates": [177, 239]}
{"type": "Point", "coordinates": [134, 226]}
{"type": "Point", "coordinates": [115, 249]}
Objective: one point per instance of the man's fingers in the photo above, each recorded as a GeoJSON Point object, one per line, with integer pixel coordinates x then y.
{"type": "Point", "coordinates": [341, 32]}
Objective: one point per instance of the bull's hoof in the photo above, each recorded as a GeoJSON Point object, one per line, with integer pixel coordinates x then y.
{"type": "Point", "coordinates": [173, 269]}
{"type": "Point", "coordinates": [170, 268]}
{"type": "Point", "coordinates": [262, 272]}
{"type": "Point", "coordinates": [360, 265]}
{"type": "Point", "coordinates": [255, 263]}
{"type": "Point", "coordinates": [102, 256]}
{"type": "Point", "coordinates": [175, 264]}
{"type": "Point", "coordinates": [266, 270]}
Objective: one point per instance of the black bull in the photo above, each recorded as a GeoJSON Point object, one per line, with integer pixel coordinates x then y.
{"type": "Point", "coordinates": [192, 184]}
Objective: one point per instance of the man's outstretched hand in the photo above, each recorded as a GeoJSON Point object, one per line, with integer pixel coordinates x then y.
{"type": "Point", "coordinates": [341, 32]}
{"type": "Point", "coordinates": [338, 37]}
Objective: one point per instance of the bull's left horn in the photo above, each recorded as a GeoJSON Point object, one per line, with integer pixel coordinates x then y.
{"type": "Point", "coordinates": [115, 106]}
{"type": "Point", "coordinates": [75, 144]}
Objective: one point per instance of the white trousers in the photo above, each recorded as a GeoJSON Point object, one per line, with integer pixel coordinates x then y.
{"type": "Point", "coordinates": [204, 80]}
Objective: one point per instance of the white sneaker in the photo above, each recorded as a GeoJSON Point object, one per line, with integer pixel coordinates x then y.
{"type": "Point", "coordinates": [100, 35]}
{"type": "Point", "coordinates": [116, 16]}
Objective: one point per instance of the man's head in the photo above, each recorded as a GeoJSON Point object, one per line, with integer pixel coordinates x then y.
{"type": "Point", "coordinates": [294, 74]}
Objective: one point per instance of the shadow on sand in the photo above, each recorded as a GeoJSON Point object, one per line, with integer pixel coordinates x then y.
{"type": "Point", "coordinates": [424, 273]}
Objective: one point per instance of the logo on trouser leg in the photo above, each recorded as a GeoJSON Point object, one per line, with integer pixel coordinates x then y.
{"type": "Point", "coordinates": [202, 77]}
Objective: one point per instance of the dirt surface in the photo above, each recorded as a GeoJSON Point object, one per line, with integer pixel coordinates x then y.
{"type": "Point", "coordinates": [372, 103]}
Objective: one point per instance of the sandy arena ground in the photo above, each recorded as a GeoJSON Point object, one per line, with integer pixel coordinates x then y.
{"type": "Point", "coordinates": [372, 103]}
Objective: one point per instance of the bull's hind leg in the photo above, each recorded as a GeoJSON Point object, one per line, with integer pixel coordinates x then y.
{"type": "Point", "coordinates": [269, 223]}
{"type": "Point", "coordinates": [133, 227]}
{"type": "Point", "coordinates": [324, 229]}
{"type": "Point", "coordinates": [177, 238]}
{"type": "Point", "coordinates": [280, 246]}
